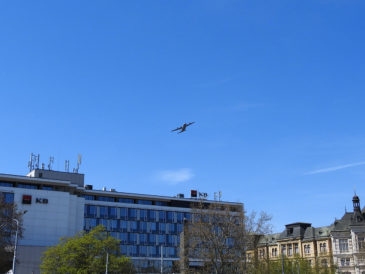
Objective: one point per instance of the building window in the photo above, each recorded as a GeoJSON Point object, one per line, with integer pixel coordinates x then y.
{"type": "Point", "coordinates": [123, 226]}
{"type": "Point", "coordinates": [283, 249]}
{"type": "Point", "coordinates": [172, 228]}
{"type": "Point", "coordinates": [152, 239]}
{"type": "Point", "coordinates": [133, 226]}
{"type": "Point", "coordinates": [261, 253]}
{"type": "Point", "coordinates": [143, 214]}
{"type": "Point", "coordinates": [143, 226]}
{"type": "Point", "coordinates": [161, 203]}
{"type": "Point", "coordinates": [144, 202]}
{"type": "Point", "coordinates": [274, 252]}
{"type": "Point", "coordinates": [47, 188]}
{"type": "Point", "coordinates": [6, 184]}
{"type": "Point", "coordinates": [290, 250]}
{"type": "Point", "coordinates": [142, 238]}
{"type": "Point", "coordinates": [103, 210]}
{"type": "Point", "coordinates": [112, 212]}
{"type": "Point", "coordinates": [324, 263]}
{"type": "Point", "coordinates": [151, 215]}
{"type": "Point", "coordinates": [132, 213]}
{"type": "Point", "coordinates": [323, 248]}
{"type": "Point", "coordinates": [27, 186]}
{"type": "Point", "coordinates": [361, 242]}
{"type": "Point", "coordinates": [123, 238]}
{"type": "Point", "coordinates": [90, 210]}
{"type": "Point", "coordinates": [307, 249]}
{"type": "Point", "coordinates": [180, 217]}
{"type": "Point", "coordinates": [114, 225]}
{"type": "Point", "coordinates": [345, 261]}
{"type": "Point", "coordinates": [343, 244]}
{"type": "Point", "coordinates": [170, 216]}
{"type": "Point", "coordinates": [133, 238]}
{"type": "Point", "coordinates": [161, 239]}
{"type": "Point", "coordinates": [162, 227]}
{"type": "Point", "coordinates": [162, 216]}
{"type": "Point", "coordinates": [123, 213]}
{"type": "Point", "coordinates": [105, 199]}
{"type": "Point", "coordinates": [152, 227]}
{"type": "Point", "coordinates": [125, 200]}
{"type": "Point", "coordinates": [296, 248]}
{"type": "Point", "coordinates": [8, 197]}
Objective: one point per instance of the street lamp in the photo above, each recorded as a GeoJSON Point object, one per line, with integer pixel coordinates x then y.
{"type": "Point", "coordinates": [16, 243]}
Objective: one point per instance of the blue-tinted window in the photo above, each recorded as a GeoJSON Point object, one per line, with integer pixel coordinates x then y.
{"type": "Point", "coordinates": [162, 216]}
{"type": "Point", "coordinates": [144, 202]}
{"type": "Point", "coordinates": [142, 238]}
{"type": "Point", "coordinates": [47, 187]}
{"type": "Point", "coordinates": [152, 251]}
{"type": "Point", "coordinates": [180, 228]}
{"type": "Point", "coordinates": [151, 215]}
{"type": "Point", "coordinates": [162, 227]}
{"type": "Point", "coordinates": [132, 213]}
{"type": "Point", "coordinates": [180, 217]}
{"type": "Point", "coordinates": [143, 226]}
{"type": "Point", "coordinates": [27, 186]}
{"type": "Point", "coordinates": [187, 216]}
{"type": "Point", "coordinates": [170, 216]}
{"type": "Point", "coordinates": [142, 251]}
{"type": "Point", "coordinates": [6, 184]}
{"type": "Point", "coordinates": [124, 249]}
{"type": "Point", "coordinates": [105, 199]}
{"type": "Point", "coordinates": [8, 197]}
{"type": "Point", "coordinates": [171, 239]}
{"type": "Point", "coordinates": [125, 200]}
{"type": "Point", "coordinates": [124, 237]}
{"type": "Point", "coordinates": [89, 223]}
{"type": "Point", "coordinates": [103, 210]}
{"type": "Point", "coordinates": [161, 203]}
{"type": "Point", "coordinates": [143, 214]}
{"type": "Point", "coordinates": [103, 222]}
{"type": "Point", "coordinates": [161, 239]}
{"type": "Point", "coordinates": [133, 238]}
{"type": "Point", "coordinates": [123, 225]}
{"type": "Point", "coordinates": [113, 225]}
{"type": "Point", "coordinates": [132, 250]}
{"type": "Point", "coordinates": [172, 228]}
{"type": "Point", "coordinates": [114, 235]}
{"type": "Point", "coordinates": [123, 213]}
{"type": "Point", "coordinates": [170, 252]}
{"type": "Point", "coordinates": [152, 239]}
{"type": "Point", "coordinates": [112, 212]}
{"type": "Point", "coordinates": [90, 211]}
{"type": "Point", "coordinates": [133, 225]}
{"type": "Point", "coordinates": [152, 227]}
{"type": "Point", "coordinates": [88, 197]}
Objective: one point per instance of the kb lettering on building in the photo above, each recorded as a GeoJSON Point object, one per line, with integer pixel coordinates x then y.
{"type": "Point", "coordinates": [41, 201]}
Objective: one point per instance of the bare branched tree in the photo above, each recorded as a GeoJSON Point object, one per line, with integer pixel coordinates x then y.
{"type": "Point", "coordinates": [8, 212]}
{"type": "Point", "coordinates": [218, 236]}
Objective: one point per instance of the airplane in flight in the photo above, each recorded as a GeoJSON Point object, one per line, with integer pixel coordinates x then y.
{"type": "Point", "coordinates": [183, 127]}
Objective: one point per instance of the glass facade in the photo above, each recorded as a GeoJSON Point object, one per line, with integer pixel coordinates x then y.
{"type": "Point", "coordinates": [141, 232]}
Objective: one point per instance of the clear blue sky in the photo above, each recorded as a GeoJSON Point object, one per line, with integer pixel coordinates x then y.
{"type": "Point", "coordinates": [276, 89]}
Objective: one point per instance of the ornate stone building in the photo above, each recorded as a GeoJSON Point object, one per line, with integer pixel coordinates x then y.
{"type": "Point", "coordinates": [348, 243]}
{"type": "Point", "coordinates": [341, 244]}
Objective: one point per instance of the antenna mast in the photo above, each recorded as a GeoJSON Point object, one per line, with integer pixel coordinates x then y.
{"type": "Point", "coordinates": [79, 157]}
{"type": "Point", "coordinates": [33, 162]}
{"type": "Point", "coordinates": [50, 163]}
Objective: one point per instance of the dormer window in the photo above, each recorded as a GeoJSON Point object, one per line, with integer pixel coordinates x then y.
{"type": "Point", "coordinates": [289, 231]}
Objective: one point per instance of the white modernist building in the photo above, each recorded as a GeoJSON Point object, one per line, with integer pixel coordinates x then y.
{"type": "Point", "coordinates": [58, 204]}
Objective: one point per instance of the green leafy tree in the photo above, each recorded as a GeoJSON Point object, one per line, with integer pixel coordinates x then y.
{"type": "Point", "coordinates": [86, 253]}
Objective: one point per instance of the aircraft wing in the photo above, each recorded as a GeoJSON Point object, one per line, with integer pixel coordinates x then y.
{"type": "Point", "coordinates": [190, 123]}
{"type": "Point", "coordinates": [179, 128]}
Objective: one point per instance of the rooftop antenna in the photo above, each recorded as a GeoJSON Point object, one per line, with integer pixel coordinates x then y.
{"type": "Point", "coordinates": [220, 195]}
{"type": "Point", "coordinates": [76, 170]}
{"type": "Point", "coordinates": [33, 162]}
{"type": "Point", "coordinates": [67, 165]}
{"type": "Point", "coordinates": [50, 163]}
{"type": "Point", "coordinates": [215, 196]}
{"type": "Point", "coordinates": [345, 209]}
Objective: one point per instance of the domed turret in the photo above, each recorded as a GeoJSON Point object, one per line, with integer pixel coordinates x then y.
{"type": "Point", "coordinates": [356, 202]}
